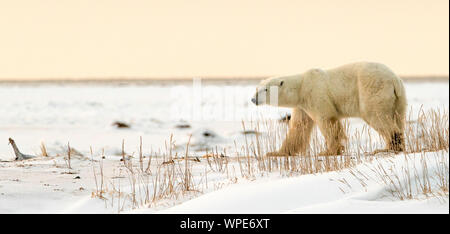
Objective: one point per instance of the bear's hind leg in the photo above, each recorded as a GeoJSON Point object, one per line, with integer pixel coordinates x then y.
{"type": "Point", "coordinates": [398, 136]}
{"type": "Point", "coordinates": [391, 133]}
{"type": "Point", "coordinates": [397, 142]}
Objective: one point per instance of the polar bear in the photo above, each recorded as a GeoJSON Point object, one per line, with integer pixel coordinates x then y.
{"type": "Point", "coordinates": [366, 90]}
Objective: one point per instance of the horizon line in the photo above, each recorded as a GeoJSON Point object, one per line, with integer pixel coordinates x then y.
{"type": "Point", "coordinates": [177, 78]}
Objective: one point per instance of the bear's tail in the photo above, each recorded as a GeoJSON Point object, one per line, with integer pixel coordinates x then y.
{"type": "Point", "coordinates": [400, 94]}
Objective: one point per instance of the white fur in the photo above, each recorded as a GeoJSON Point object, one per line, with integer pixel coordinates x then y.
{"type": "Point", "coordinates": [370, 91]}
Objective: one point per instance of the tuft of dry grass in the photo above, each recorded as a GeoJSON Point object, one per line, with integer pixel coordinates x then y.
{"type": "Point", "coordinates": [429, 131]}
{"type": "Point", "coordinates": [68, 158]}
{"type": "Point", "coordinates": [44, 150]}
{"type": "Point", "coordinates": [412, 179]}
{"type": "Point", "coordinates": [147, 187]}
{"type": "Point", "coordinates": [100, 190]}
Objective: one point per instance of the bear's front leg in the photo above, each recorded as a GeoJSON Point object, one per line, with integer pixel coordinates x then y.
{"type": "Point", "coordinates": [334, 135]}
{"type": "Point", "coordinates": [297, 138]}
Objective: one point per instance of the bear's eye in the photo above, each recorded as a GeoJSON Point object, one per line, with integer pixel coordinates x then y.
{"type": "Point", "coordinates": [282, 82]}
{"type": "Point", "coordinates": [265, 90]}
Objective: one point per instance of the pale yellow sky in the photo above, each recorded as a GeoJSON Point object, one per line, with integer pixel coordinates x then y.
{"type": "Point", "coordinates": [168, 38]}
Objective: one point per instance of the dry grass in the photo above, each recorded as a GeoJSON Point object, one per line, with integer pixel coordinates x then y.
{"type": "Point", "coordinates": [171, 177]}
{"type": "Point", "coordinates": [428, 132]}
{"type": "Point", "coordinates": [168, 176]}
{"type": "Point", "coordinates": [69, 157]}
{"type": "Point", "coordinates": [410, 180]}
{"type": "Point", "coordinates": [44, 150]}
{"type": "Point", "coordinates": [99, 185]}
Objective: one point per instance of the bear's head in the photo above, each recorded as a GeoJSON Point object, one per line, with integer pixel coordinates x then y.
{"type": "Point", "coordinates": [277, 91]}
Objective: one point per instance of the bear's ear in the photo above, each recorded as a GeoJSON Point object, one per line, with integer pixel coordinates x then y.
{"type": "Point", "coordinates": [281, 83]}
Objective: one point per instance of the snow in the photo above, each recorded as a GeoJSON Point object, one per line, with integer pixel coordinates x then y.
{"type": "Point", "coordinates": [319, 193]}
{"type": "Point", "coordinates": [82, 114]}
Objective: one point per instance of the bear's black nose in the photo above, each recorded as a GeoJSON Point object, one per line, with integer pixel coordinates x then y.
{"type": "Point", "coordinates": [254, 101]}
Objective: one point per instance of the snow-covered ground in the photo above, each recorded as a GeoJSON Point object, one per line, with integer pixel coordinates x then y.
{"type": "Point", "coordinates": [82, 114]}
{"type": "Point", "coordinates": [333, 192]}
